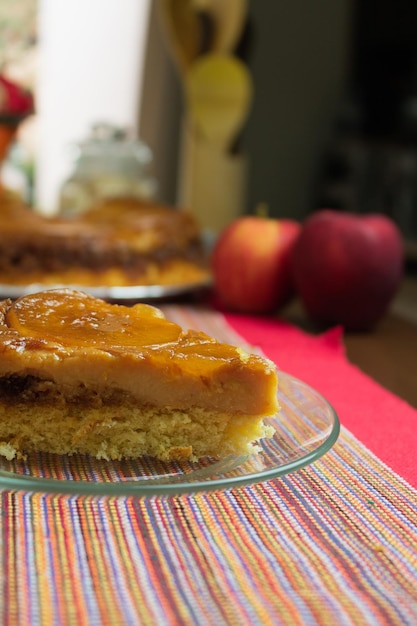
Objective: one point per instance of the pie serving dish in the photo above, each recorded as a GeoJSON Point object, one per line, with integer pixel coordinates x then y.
{"type": "Point", "coordinates": [304, 430]}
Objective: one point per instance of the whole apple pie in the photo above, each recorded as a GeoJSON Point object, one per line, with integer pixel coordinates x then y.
{"type": "Point", "coordinates": [80, 375]}
{"type": "Point", "coordinates": [118, 242]}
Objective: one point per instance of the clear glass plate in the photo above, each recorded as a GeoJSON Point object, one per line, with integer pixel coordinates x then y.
{"type": "Point", "coordinates": [305, 429]}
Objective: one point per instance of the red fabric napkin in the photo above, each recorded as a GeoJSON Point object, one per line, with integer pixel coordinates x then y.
{"type": "Point", "coordinates": [383, 422]}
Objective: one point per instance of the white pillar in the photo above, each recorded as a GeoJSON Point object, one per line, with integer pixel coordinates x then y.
{"type": "Point", "coordinates": [91, 60]}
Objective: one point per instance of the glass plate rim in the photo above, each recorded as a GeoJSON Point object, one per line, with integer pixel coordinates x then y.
{"type": "Point", "coordinates": [10, 480]}
{"type": "Point", "coordinates": [115, 293]}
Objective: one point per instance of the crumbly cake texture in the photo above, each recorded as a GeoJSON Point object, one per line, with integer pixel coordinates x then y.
{"type": "Point", "coordinates": [118, 242]}
{"type": "Point", "coordinates": [80, 375]}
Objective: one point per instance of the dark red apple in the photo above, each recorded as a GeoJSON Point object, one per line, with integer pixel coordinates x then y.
{"type": "Point", "coordinates": [347, 267]}
{"type": "Point", "coordinates": [251, 263]}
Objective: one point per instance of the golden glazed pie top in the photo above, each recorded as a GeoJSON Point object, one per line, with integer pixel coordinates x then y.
{"type": "Point", "coordinates": [70, 336]}
{"type": "Point", "coordinates": [74, 319]}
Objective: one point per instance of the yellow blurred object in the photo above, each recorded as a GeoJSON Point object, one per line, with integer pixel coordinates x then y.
{"type": "Point", "coordinates": [182, 28]}
{"type": "Point", "coordinates": [203, 37]}
{"type": "Point", "coordinates": [219, 94]}
{"type": "Point", "coordinates": [213, 183]}
{"type": "Point", "coordinates": [229, 18]}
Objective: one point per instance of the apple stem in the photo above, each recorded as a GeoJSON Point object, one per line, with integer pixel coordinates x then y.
{"type": "Point", "coordinates": [262, 209]}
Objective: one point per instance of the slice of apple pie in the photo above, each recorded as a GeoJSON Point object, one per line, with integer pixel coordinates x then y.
{"type": "Point", "coordinates": [81, 375]}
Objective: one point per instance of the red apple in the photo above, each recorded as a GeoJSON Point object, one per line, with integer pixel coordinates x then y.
{"type": "Point", "coordinates": [251, 263]}
{"type": "Point", "coordinates": [347, 267]}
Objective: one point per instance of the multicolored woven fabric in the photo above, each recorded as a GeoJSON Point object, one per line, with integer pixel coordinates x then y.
{"type": "Point", "coordinates": [334, 543]}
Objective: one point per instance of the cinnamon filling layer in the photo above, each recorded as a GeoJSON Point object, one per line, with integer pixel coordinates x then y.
{"type": "Point", "coordinates": [31, 390]}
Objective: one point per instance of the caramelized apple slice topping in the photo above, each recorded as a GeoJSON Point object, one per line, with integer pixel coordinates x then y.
{"type": "Point", "coordinates": [73, 318]}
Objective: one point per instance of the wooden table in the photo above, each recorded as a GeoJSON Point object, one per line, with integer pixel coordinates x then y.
{"type": "Point", "coordinates": [388, 353]}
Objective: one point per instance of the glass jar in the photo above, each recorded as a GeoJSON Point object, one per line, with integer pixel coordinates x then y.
{"type": "Point", "coordinates": [108, 164]}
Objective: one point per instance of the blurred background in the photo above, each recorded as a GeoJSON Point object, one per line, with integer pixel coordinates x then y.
{"type": "Point", "coordinates": [332, 117]}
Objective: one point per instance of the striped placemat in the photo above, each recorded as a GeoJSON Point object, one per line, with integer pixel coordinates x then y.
{"type": "Point", "coordinates": [334, 543]}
